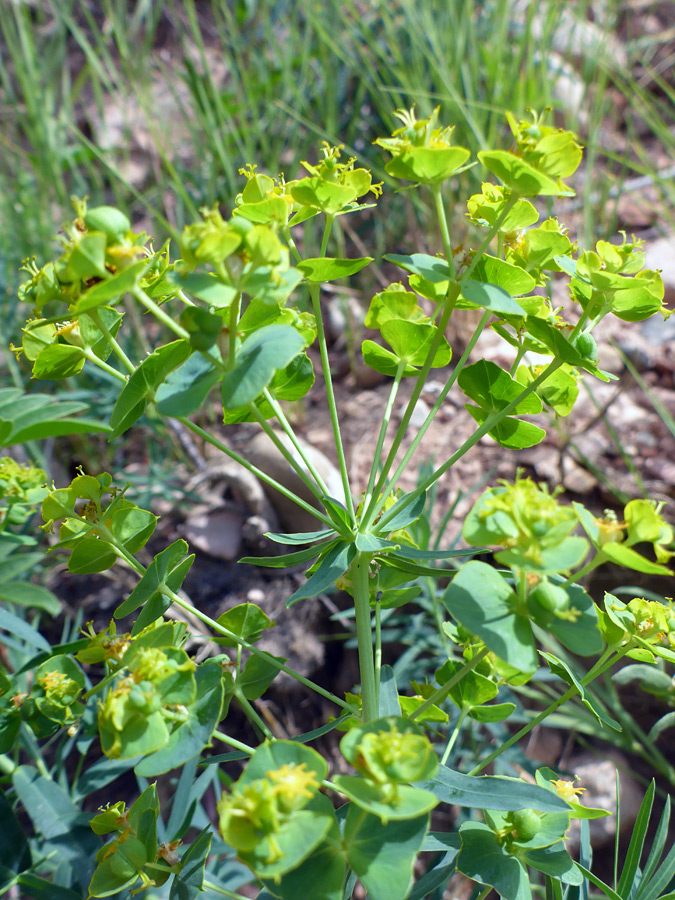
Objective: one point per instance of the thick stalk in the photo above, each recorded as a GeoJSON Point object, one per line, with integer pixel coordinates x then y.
{"type": "Point", "coordinates": [360, 581]}
{"type": "Point", "coordinates": [92, 357]}
{"type": "Point", "coordinates": [604, 663]}
{"type": "Point", "coordinates": [209, 438]}
{"type": "Point", "coordinates": [489, 423]}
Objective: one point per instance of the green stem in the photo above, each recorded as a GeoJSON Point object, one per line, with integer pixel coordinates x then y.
{"type": "Point", "coordinates": [159, 313]}
{"type": "Point", "coordinates": [378, 646]}
{"type": "Point", "coordinates": [597, 560]}
{"type": "Point", "coordinates": [442, 692]}
{"type": "Point", "coordinates": [92, 357]}
{"type": "Point", "coordinates": [234, 743]}
{"type": "Point", "coordinates": [393, 481]}
{"type": "Point", "coordinates": [220, 629]}
{"type": "Point", "coordinates": [443, 225]}
{"type": "Point", "coordinates": [196, 429]}
{"type": "Point", "coordinates": [330, 397]}
{"type": "Point", "coordinates": [604, 663]}
{"type": "Point", "coordinates": [516, 362]}
{"type": "Point", "coordinates": [489, 423]}
{"type": "Point", "coordinates": [224, 892]}
{"type": "Point", "coordinates": [454, 735]}
{"type": "Point", "coordinates": [383, 432]}
{"type": "Point", "coordinates": [360, 581]}
{"type": "Point", "coordinates": [112, 341]}
{"type": "Point", "coordinates": [285, 452]}
{"type": "Point", "coordinates": [252, 714]}
{"type": "Point", "coordinates": [233, 321]}
{"type": "Point", "coordinates": [288, 428]}
{"type": "Point", "coordinates": [376, 501]}
{"type": "Point", "coordinates": [483, 894]}
{"type": "Point", "coordinates": [488, 238]}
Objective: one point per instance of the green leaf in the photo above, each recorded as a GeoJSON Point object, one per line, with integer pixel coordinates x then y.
{"type": "Point", "coordinates": [580, 636]}
{"type": "Point", "coordinates": [394, 304]}
{"type": "Point", "coordinates": [91, 555]}
{"type": "Point", "coordinates": [205, 286]}
{"type": "Point", "coordinates": [259, 357]}
{"type": "Point", "coordinates": [55, 428]}
{"type": "Point", "coordinates": [321, 876]}
{"type": "Point", "coordinates": [432, 268]}
{"type": "Point", "coordinates": [522, 178]}
{"type": "Point", "coordinates": [287, 559]}
{"type": "Point", "coordinates": [247, 621]}
{"type": "Point", "coordinates": [495, 712]}
{"type": "Point", "coordinates": [189, 882]}
{"type": "Point", "coordinates": [383, 360]}
{"type": "Point", "coordinates": [33, 596]}
{"type": "Point", "coordinates": [87, 258]}
{"type": "Point", "coordinates": [480, 600]}
{"type": "Point", "coordinates": [554, 861]}
{"type": "Point", "coordinates": [335, 563]}
{"type": "Point", "coordinates": [400, 516]}
{"type": "Point", "coordinates": [631, 559]}
{"type": "Point", "coordinates": [301, 537]}
{"type": "Point", "coordinates": [144, 383]}
{"type": "Point", "coordinates": [428, 165]}
{"type": "Point", "coordinates": [510, 432]}
{"type": "Point", "coordinates": [637, 841]}
{"type": "Point", "coordinates": [328, 269]}
{"type": "Point", "coordinates": [257, 675]}
{"type": "Point", "coordinates": [483, 859]}
{"type": "Point", "coordinates": [490, 296]}
{"type": "Point", "coordinates": [497, 272]}
{"type": "Point", "coordinates": [303, 831]}
{"type": "Point", "coordinates": [166, 569]}
{"type": "Point", "coordinates": [491, 792]}
{"type": "Point", "coordinates": [113, 288]}
{"type": "Point", "coordinates": [187, 387]}
{"type": "Point", "coordinates": [382, 856]}
{"type": "Point", "coordinates": [58, 361]}
{"type": "Point", "coordinates": [493, 389]}
{"type": "Point", "coordinates": [411, 342]}
{"type": "Point", "coordinates": [563, 671]}
{"type": "Point", "coordinates": [194, 734]}
{"type": "Point", "coordinates": [132, 528]}
{"type": "Point", "coordinates": [410, 802]}
{"type": "Point", "coordinates": [317, 193]}
{"type": "Point", "coordinates": [275, 754]}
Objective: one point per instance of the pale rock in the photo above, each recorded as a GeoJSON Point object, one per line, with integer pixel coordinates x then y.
{"type": "Point", "coordinates": [216, 532]}
{"type": "Point", "coordinates": [265, 456]}
{"type": "Point", "coordinates": [419, 414]}
{"type": "Point", "coordinates": [598, 777]}
{"type": "Point", "coordinates": [661, 255]}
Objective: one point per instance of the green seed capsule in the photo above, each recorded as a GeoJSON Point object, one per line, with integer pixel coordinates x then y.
{"type": "Point", "coordinates": [551, 596]}
{"type": "Point", "coordinates": [526, 824]}
{"type": "Point", "coordinates": [587, 346]}
{"type": "Point", "coordinates": [112, 222]}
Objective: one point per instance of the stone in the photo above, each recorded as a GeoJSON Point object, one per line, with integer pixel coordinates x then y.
{"type": "Point", "coordinates": [660, 254]}
{"type": "Point", "coordinates": [216, 532]}
{"type": "Point", "coordinates": [263, 453]}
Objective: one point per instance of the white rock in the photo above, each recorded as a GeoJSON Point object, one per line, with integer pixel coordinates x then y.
{"type": "Point", "coordinates": [217, 533]}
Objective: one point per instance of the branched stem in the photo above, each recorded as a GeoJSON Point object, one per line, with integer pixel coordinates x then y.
{"type": "Point", "coordinates": [442, 692]}
{"type": "Point", "coordinates": [607, 660]}
{"type": "Point", "coordinates": [112, 341]}
{"type": "Point", "coordinates": [209, 438]}
{"type": "Point", "coordinates": [383, 432]}
{"type": "Point", "coordinates": [360, 581]}
{"type": "Point", "coordinates": [487, 425]}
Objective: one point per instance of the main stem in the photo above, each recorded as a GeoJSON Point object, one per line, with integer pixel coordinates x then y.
{"type": "Point", "coordinates": [370, 704]}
